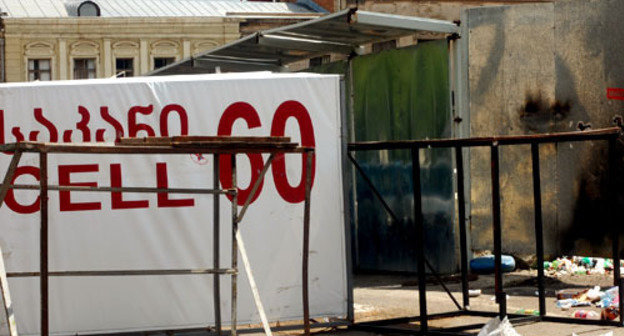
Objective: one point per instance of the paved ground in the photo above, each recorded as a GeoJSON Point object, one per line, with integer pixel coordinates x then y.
{"type": "Point", "coordinates": [379, 297]}
{"type": "Point", "coordinates": [384, 297]}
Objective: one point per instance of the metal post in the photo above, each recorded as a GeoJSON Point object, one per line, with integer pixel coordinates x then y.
{"type": "Point", "coordinates": [539, 230]}
{"type": "Point", "coordinates": [234, 244]}
{"type": "Point", "coordinates": [8, 178]}
{"type": "Point", "coordinates": [420, 240]}
{"type": "Point", "coordinates": [43, 242]}
{"type": "Point", "coordinates": [306, 242]}
{"type": "Point", "coordinates": [501, 298]}
{"type": "Point", "coordinates": [461, 214]}
{"type": "Point", "coordinates": [347, 180]}
{"type": "Point", "coordinates": [617, 276]}
{"type": "Point", "coordinates": [216, 246]}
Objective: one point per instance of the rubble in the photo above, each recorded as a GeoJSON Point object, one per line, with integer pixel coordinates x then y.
{"type": "Point", "coordinates": [607, 300]}
{"type": "Point", "coordinates": [579, 266]}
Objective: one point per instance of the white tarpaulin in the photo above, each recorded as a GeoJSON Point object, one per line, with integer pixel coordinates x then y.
{"type": "Point", "coordinates": [106, 231]}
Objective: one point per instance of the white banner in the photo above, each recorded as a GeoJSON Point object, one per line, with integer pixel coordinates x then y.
{"type": "Point", "coordinates": [113, 231]}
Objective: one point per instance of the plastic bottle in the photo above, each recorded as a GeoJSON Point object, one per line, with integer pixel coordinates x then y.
{"type": "Point", "coordinates": [586, 314]}
{"type": "Point", "coordinates": [528, 312]}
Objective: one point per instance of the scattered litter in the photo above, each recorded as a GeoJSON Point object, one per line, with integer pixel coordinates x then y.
{"type": "Point", "coordinates": [496, 327]}
{"type": "Point", "coordinates": [586, 314]}
{"type": "Point", "coordinates": [528, 312]}
{"type": "Point", "coordinates": [610, 314]}
{"type": "Point", "coordinates": [579, 266]}
{"type": "Point", "coordinates": [608, 300]}
{"type": "Point", "coordinates": [474, 292]}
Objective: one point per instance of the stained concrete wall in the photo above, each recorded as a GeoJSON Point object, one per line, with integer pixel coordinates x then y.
{"type": "Point", "coordinates": [543, 68]}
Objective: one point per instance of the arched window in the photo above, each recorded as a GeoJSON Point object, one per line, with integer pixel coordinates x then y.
{"type": "Point", "coordinates": [88, 8]}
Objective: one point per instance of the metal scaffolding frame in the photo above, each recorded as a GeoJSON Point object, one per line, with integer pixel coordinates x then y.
{"type": "Point", "coordinates": [610, 135]}
{"type": "Point", "coordinates": [219, 147]}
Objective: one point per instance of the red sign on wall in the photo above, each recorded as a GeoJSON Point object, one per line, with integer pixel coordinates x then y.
{"type": "Point", "coordinates": [615, 93]}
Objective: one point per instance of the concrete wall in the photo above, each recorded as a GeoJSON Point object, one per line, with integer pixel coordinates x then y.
{"type": "Point", "coordinates": [436, 9]}
{"type": "Point", "coordinates": [538, 68]}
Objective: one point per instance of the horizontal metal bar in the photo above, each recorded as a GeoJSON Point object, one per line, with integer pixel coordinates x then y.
{"type": "Point", "coordinates": [559, 319]}
{"type": "Point", "coordinates": [383, 329]}
{"type": "Point", "coordinates": [125, 272]}
{"type": "Point", "coordinates": [247, 330]}
{"type": "Point", "coordinates": [201, 148]}
{"type": "Point", "coordinates": [404, 330]}
{"type": "Point", "coordinates": [408, 319]}
{"type": "Point", "coordinates": [287, 43]}
{"type": "Point", "coordinates": [393, 21]}
{"type": "Point", "coordinates": [126, 189]}
{"type": "Point", "coordinates": [599, 134]}
{"type": "Point", "coordinates": [182, 139]}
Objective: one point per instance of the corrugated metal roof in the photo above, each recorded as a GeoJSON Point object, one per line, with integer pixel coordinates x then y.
{"type": "Point", "coordinates": [153, 8]}
{"type": "Point", "coordinates": [186, 8]}
{"type": "Point", "coordinates": [33, 8]}
{"type": "Point", "coordinates": [340, 33]}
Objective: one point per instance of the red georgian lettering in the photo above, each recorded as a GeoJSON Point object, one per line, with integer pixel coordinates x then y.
{"type": "Point", "coordinates": [133, 127]}
{"type": "Point", "coordinates": [119, 132]}
{"type": "Point", "coordinates": [83, 124]}
{"type": "Point", "coordinates": [47, 124]}
{"type": "Point", "coordinates": [164, 119]}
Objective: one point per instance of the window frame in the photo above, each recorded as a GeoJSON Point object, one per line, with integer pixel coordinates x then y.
{"type": "Point", "coordinates": [38, 71]}
{"type": "Point", "coordinates": [95, 65]}
{"type": "Point", "coordinates": [88, 2]}
{"type": "Point", "coordinates": [172, 58]}
{"type": "Point", "coordinates": [127, 58]}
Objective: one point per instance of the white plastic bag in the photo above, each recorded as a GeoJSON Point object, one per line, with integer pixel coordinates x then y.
{"type": "Point", "coordinates": [496, 327]}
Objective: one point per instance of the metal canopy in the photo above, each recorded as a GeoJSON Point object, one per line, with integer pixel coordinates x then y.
{"type": "Point", "coordinates": [341, 33]}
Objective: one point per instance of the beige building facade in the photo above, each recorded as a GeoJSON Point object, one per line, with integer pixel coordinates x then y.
{"type": "Point", "coordinates": [79, 39]}
{"type": "Point", "coordinates": [74, 48]}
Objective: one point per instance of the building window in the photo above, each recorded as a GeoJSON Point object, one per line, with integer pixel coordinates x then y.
{"type": "Point", "coordinates": [124, 67]}
{"type": "Point", "coordinates": [84, 68]}
{"type": "Point", "coordinates": [39, 69]}
{"type": "Point", "coordinates": [88, 8]}
{"type": "Point", "coordinates": [160, 62]}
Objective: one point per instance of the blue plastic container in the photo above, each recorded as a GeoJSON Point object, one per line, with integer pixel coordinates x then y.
{"type": "Point", "coordinates": [485, 264]}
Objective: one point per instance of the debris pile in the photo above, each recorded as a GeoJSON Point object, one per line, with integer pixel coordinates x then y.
{"type": "Point", "coordinates": [608, 300]}
{"type": "Point", "coordinates": [578, 266]}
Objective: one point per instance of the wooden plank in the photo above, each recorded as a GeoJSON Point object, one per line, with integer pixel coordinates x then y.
{"type": "Point", "coordinates": [252, 284]}
{"type": "Point", "coordinates": [189, 148]}
{"type": "Point", "coordinates": [6, 298]}
{"type": "Point", "coordinates": [182, 139]}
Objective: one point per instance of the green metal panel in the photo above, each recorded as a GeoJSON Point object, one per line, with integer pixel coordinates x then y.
{"type": "Point", "coordinates": [404, 94]}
